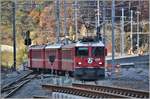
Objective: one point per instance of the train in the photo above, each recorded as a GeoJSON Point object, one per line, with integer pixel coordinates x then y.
{"type": "Point", "coordinates": [84, 60]}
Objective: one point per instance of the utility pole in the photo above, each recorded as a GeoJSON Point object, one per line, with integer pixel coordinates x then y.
{"type": "Point", "coordinates": [149, 24]}
{"type": "Point", "coordinates": [58, 21]}
{"type": "Point", "coordinates": [138, 13]}
{"type": "Point", "coordinates": [14, 34]}
{"type": "Point", "coordinates": [113, 35]}
{"type": "Point", "coordinates": [98, 24]}
{"type": "Point", "coordinates": [98, 21]}
{"type": "Point", "coordinates": [104, 15]}
{"type": "Point", "coordinates": [131, 29]}
{"type": "Point", "coordinates": [65, 27]}
{"type": "Point", "coordinates": [122, 32]}
{"type": "Point", "coordinates": [76, 20]}
{"type": "Point", "coordinates": [1, 32]}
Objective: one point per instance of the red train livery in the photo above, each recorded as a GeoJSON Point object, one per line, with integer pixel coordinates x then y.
{"type": "Point", "coordinates": [83, 60]}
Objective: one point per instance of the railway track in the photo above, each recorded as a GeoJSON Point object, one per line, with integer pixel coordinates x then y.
{"type": "Point", "coordinates": [15, 81]}
{"type": "Point", "coordinates": [115, 90]}
{"type": "Point", "coordinates": [11, 88]}
{"type": "Point", "coordinates": [81, 92]}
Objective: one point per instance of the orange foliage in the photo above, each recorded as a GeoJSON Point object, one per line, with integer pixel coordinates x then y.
{"type": "Point", "coordinates": [46, 20]}
{"type": "Point", "coordinates": [35, 15]}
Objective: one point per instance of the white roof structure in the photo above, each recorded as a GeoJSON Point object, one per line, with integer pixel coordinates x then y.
{"type": "Point", "coordinates": [53, 46]}
{"type": "Point", "coordinates": [89, 44]}
{"type": "Point", "coordinates": [37, 47]}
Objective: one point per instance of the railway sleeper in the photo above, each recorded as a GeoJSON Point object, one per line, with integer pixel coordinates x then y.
{"type": "Point", "coordinates": [70, 92]}
{"type": "Point", "coordinates": [41, 97]}
{"type": "Point", "coordinates": [91, 96]}
{"type": "Point", "coordinates": [77, 93]}
{"type": "Point", "coordinates": [102, 89]}
{"type": "Point", "coordinates": [107, 90]}
{"type": "Point", "coordinates": [118, 92]}
{"type": "Point", "coordinates": [137, 96]}
{"type": "Point", "coordinates": [96, 89]}
{"type": "Point", "coordinates": [128, 94]}
{"type": "Point", "coordinates": [115, 91]}
{"type": "Point", "coordinates": [132, 95]}
{"type": "Point", "coordinates": [81, 94]}
{"type": "Point", "coordinates": [121, 91]}
{"type": "Point", "coordinates": [86, 95]}
{"type": "Point", "coordinates": [141, 96]}
{"type": "Point", "coordinates": [111, 91]}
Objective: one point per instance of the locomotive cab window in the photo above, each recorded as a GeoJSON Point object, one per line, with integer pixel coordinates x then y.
{"type": "Point", "coordinates": [82, 51]}
{"type": "Point", "coordinates": [98, 51]}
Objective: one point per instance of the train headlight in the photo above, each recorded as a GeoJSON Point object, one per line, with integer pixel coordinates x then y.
{"type": "Point", "coordinates": [100, 63]}
{"type": "Point", "coordinates": [79, 63]}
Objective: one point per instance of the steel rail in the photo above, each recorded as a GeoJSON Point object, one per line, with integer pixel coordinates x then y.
{"type": "Point", "coordinates": [16, 81]}
{"type": "Point", "coordinates": [81, 91]}
{"type": "Point", "coordinates": [115, 90]}
{"type": "Point", "coordinates": [13, 88]}
{"type": "Point", "coordinates": [10, 88]}
{"type": "Point", "coordinates": [16, 89]}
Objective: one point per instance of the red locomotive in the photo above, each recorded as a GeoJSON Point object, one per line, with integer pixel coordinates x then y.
{"type": "Point", "coordinates": [84, 59]}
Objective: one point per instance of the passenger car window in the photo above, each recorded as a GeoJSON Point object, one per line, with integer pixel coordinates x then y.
{"type": "Point", "coordinates": [98, 51]}
{"type": "Point", "coordinates": [82, 51]}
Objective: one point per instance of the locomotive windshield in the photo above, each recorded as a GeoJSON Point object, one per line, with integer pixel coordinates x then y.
{"type": "Point", "coordinates": [98, 51]}
{"type": "Point", "coordinates": [81, 51]}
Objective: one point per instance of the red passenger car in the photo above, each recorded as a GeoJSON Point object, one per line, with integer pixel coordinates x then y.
{"type": "Point", "coordinates": [53, 57]}
{"type": "Point", "coordinates": [68, 57]}
{"type": "Point", "coordinates": [37, 57]}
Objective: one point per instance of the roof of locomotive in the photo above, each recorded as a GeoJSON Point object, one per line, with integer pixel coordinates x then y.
{"type": "Point", "coordinates": [84, 44]}
{"type": "Point", "coordinates": [37, 47]}
{"type": "Point", "coordinates": [53, 46]}
{"type": "Point", "coordinates": [97, 43]}
{"type": "Point", "coordinates": [69, 45]}
{"type": "Point", "coordinates": [77, 44]}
